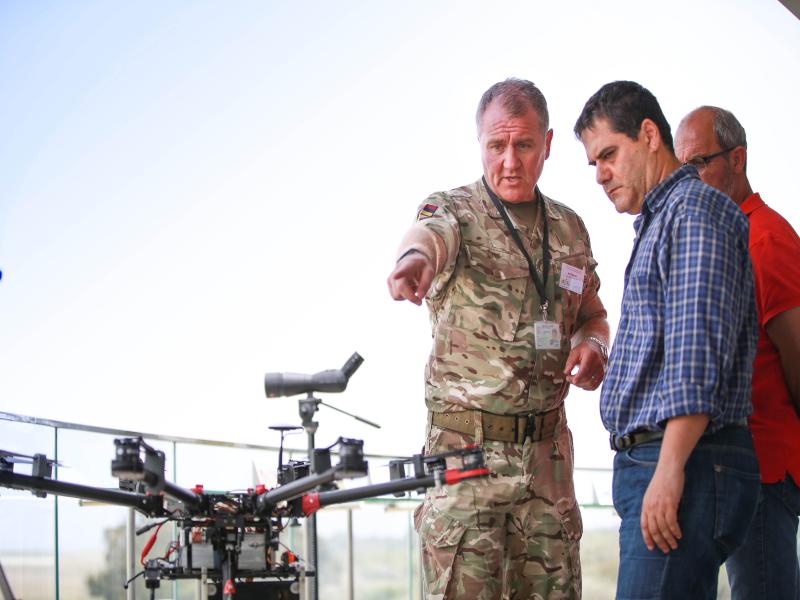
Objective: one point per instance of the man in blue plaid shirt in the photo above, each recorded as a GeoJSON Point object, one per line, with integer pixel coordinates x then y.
{"type": "Point", "coordinates": [677, 392]}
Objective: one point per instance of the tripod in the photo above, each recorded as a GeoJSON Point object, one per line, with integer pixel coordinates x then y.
{"type": "Point", "coordinates": [289, 384]}
{"type": "Point", "coordinates": [5, 586]}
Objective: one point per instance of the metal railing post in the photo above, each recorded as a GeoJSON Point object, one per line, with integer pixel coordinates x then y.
{"type": "Point", "coordinates": [130, 553]}
{"type": "Point", "coordinates": [55, 517]}
{"type": "Point", "coordinates": [350, 578]}
{"type": "Point", "coordinates": [174, 525]}
{"type": "Point", "coordinates": [410, 556]}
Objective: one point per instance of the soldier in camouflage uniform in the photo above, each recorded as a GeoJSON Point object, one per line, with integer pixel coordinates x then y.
{"type": "Point", "coordinates": [505, 349]}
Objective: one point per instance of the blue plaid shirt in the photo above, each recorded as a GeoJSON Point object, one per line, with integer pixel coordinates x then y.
{"type": "Point", "coordinates": [688, 331]}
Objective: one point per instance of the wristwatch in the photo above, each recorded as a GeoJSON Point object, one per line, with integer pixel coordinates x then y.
{"type": "Point", "coordinates": [600, 344]}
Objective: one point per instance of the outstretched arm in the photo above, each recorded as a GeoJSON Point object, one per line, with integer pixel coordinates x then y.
{"type": "Point", "coordinates": [411, 277]}
{"type": "Point", "coordinates": [428, 249]}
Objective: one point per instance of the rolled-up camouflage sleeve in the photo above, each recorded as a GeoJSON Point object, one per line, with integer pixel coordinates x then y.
{"type": "Point", "coordinates": [591, 306]}
{"type": "Point", "coordinates": [436, 215]}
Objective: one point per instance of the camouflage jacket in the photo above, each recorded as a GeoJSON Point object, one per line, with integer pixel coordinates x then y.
{"type": "Point", "coordinates": [483, 305]}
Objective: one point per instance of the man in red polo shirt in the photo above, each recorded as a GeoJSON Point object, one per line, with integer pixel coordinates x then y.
{"type": "Point", "coordinates": [766, 565]}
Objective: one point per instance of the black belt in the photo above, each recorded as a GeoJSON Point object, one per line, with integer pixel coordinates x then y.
{"type": "Point", "coordinates": [623, 442]}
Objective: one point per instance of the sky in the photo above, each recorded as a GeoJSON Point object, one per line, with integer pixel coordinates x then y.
{"type": "Point", "coordinates": [193, 194]}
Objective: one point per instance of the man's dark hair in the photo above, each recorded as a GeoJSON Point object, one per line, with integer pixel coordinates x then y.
{"type": "Point", "coordinates": [515, 96]}
{"type": "Point", "coordinates": [625, 104]}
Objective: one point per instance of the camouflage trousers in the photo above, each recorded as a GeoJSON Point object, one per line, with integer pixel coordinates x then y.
{"type": "Point", "coordinates": [512, 535]}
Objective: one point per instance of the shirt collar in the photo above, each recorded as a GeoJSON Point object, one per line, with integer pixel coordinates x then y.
{"type": "Point", "coordinates": [655, 198]}
{"type": "Point", "coordinates": [488, 205]}
{"type": "Point", "coordinates": [751, 203]}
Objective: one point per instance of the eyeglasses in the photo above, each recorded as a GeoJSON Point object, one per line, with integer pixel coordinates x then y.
{"type": "Point", "coordinates": [701, 162]}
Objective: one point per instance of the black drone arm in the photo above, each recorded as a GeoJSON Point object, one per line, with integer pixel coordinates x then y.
{"type": "Point", "coordinates": [151, 506]}
{"type": "Point", "coordinates": [435, 475]}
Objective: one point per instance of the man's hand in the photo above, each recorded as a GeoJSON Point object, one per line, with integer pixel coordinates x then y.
{"type": "Point", "coordinates": [659, 521]}
{"type": "Point", "coordinates": [588, 359]}
{"type": "Point", "coordinates": [411, 278]}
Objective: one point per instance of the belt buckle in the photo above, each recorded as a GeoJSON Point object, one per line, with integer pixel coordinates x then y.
{"type": "Point", "coordinates": [527, 430]}
{"type": "Point", "coordinates": [620, 442]}
{"type": "Point", "coordinates": [530, 426]}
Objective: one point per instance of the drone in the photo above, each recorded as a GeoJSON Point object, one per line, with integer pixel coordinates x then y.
{"type": "Point", "coordinates": [232, 539]}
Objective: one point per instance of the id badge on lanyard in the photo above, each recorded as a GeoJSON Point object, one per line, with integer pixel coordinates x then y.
{"type": "Point", "coordinates": [546, 334]}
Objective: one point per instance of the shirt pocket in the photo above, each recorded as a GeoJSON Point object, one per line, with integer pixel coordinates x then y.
{"type": "Point", "coordinates": [489, 298]}
{"type": "Point", "coordinates": [568, 303]}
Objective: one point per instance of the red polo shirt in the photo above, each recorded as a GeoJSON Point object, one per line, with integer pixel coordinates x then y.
{"type": "Point", "coordinates": [775, 251]}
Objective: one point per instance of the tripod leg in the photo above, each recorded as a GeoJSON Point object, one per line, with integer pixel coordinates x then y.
{"type": "Point", "coordinates": [5, 586]}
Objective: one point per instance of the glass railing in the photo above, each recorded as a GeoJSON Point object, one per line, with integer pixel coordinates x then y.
{"type": "Point", "coordinates": [64, 549]}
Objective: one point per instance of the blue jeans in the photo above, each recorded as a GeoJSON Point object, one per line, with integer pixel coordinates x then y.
{"type": "Point", "coordinates": [718, 503]}
{"type": "Point", "coordinates": [765, 566]}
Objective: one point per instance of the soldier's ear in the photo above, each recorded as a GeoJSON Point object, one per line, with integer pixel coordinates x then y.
{"type": "Point", "coordinates": [548, 138]}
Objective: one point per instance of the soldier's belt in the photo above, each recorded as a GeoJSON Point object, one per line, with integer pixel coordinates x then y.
{"type": "Point", "coordinates": [503, 428]}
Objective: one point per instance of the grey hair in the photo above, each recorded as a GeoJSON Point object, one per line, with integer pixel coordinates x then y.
{"type": "Point", "coordinates": [516, 96]}
{"type": "Point", "coordinates": [727, 129]}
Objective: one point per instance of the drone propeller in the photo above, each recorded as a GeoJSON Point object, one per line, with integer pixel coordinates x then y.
{"type": "Point", "coordinates": [13, 455]}
{"type": "Point", "coordinates": [283, 427]}
{"type": "Point", "coordinates": [19, 460]}
{"type": "Point", "coordinates": [8, 457]}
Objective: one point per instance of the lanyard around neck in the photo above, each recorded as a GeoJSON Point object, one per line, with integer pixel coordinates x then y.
{"type": "Point", "coordinates": [539, 282]}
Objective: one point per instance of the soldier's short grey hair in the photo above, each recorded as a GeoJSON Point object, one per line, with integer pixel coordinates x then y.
{"type": "Point", "coordinates": [727, 129]}
{"type": "Point", "coordinates": [516, 96]}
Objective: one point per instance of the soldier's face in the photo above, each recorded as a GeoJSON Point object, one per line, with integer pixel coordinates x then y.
{"type": "Point", "coordinates": [620, 163]}
{"type": "Point", "coordinates": [513, 151]}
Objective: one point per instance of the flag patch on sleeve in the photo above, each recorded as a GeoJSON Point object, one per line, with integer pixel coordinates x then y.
{"type": "Point", "coordinates": [427, 211]}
